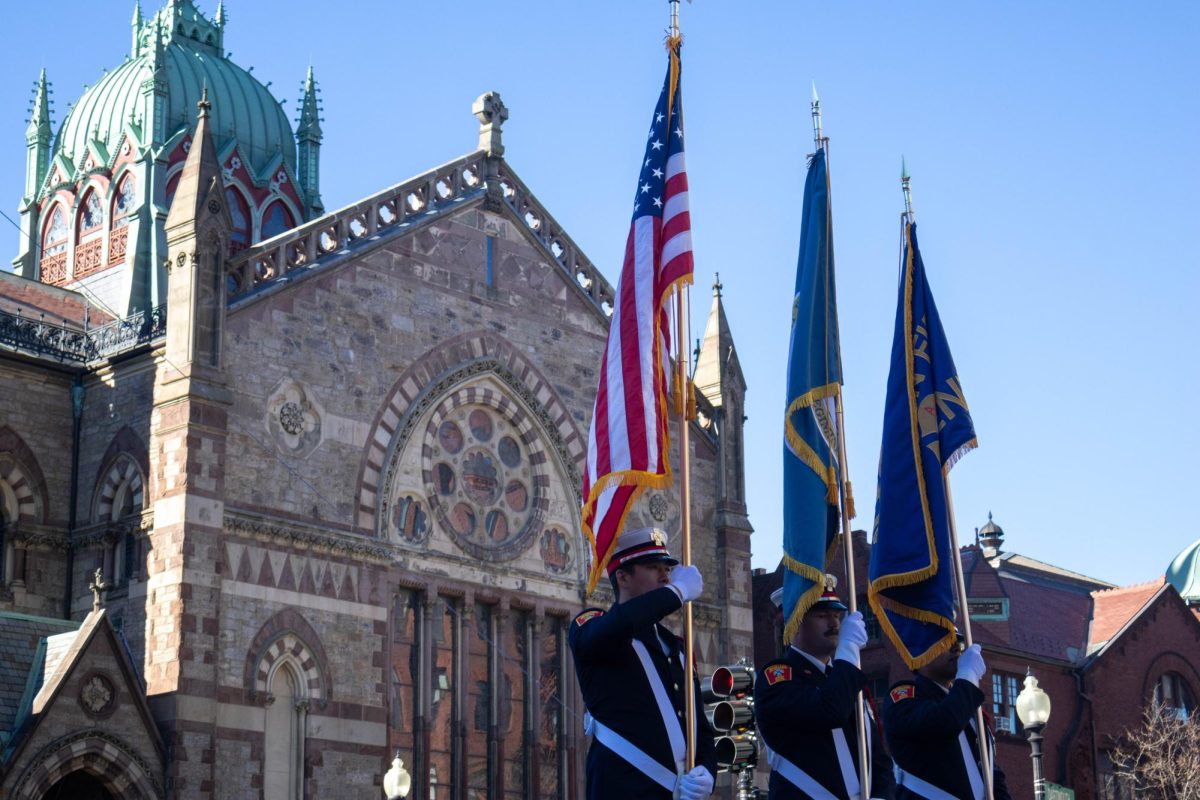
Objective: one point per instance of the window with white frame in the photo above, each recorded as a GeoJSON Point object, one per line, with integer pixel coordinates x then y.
{"type": "Point", "coordinates": [1005, 688]}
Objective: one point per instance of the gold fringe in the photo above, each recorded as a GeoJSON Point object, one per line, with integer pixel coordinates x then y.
{"type": "Point", "coordinates": [959, 453]}
{"type": "Point", "coordinates": [801, 449]}
{"type": "Point", "coordinates": [879, 603]}
{"type": "Point", "coordinates": [792, 624]}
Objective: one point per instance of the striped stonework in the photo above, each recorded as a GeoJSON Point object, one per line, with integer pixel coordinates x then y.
{"type": "Point", "coordinates": [287, 636]}
{"type": "Point", "coordinates": [16, 492]}
{"type": "Point", "coordinates": [121, 479]}
{"type": "Point", "coordinates": [457, 361]}
{"type": "Point", "coordinates": [102, 755]}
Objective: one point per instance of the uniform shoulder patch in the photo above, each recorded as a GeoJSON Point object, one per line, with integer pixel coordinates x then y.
{"type": "Point", "coordinates": [588, 615]}
{"type": "Point", "coordinates": [777, 673]}
{"type": "Point", "coordinates": [903, 691]}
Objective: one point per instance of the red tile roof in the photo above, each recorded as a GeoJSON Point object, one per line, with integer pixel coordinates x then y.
{"type": "Point", "coordinates": [1113, 608]}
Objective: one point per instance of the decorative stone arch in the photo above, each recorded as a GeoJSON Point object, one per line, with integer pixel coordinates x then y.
{"type": "Point", "coordinates": [22, 485]}
{"type": "Point", "coordinates": [287, 637]}
{"type": "Point", "coordinates": [102, 755]}
{"type": "Point", "coordinates": [423, 384]}
{"type": "Point", "coordinates": [120, 479]}
{"type": "Point", "coordinates": [1170, 661]}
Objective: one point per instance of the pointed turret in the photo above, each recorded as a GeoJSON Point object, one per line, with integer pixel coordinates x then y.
{"type": "Point", "coordinates": [136, 24]}
{"type": "Point", "coordinates": [308, 140]}
{"type": "Point", "coordinates": [718, 373]}
{"type": "Point", "coordinates": [719, 379]}
{"type": "Point", "coordinates": [198, 229]}
{"type": "Point", "coordinates": [37, 138]}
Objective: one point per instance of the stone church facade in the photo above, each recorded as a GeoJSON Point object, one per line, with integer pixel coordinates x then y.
{"type": "Point", "coordinates": [329, 474]}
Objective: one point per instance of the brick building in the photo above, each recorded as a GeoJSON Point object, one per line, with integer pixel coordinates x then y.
{"type": "Point", "coordinates": [326, 464]}
{"type": "Point", "coordinates": [1102, 653]}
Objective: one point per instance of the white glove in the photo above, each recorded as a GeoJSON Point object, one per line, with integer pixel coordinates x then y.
{"type": "Point", "coordinates": [971, 666]}
{"type": "Point", "coordinates": [851, 637]}
{"type": "Point", "coordinates": [687, 583]}
{"type": "Point", "coordinates": [695, 785]}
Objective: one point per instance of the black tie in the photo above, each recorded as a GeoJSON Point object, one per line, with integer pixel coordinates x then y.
{"type": "Point", "coordinates": [828, 670]}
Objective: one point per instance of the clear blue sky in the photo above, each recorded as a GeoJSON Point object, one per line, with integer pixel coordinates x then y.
{"type": "Point", "coordinates": [1053, 149]}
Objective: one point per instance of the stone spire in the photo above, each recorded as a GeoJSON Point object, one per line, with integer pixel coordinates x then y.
{"type": "Point", "coordinates": [308, 141]}
{"type": "Point", "coordinates": [219, 17]}
{"type": "Point", "coordinates": [198, 229]}
{"type": "Point", "coordinates": [718, 377]}
{"type": "Point", "coordinates": [37, 138]}
{"type": "Point", "coordinates": [718, 372]}
{"type": "Point", "coordinates": [136, 25]}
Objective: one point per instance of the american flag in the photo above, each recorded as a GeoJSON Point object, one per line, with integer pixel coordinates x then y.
{"type": "Point", "coordinates": [628, 441]}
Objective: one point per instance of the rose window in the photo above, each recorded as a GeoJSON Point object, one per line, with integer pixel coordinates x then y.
{"type": "Point", "coordinates": [484, 473]}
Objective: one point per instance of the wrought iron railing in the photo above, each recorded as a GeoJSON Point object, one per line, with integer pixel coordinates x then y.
{"type": "Point", "coordinates": [67, 344]}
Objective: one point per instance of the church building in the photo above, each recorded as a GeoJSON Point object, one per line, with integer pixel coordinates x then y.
{"type": "Point", "coordinates": [285, 492]}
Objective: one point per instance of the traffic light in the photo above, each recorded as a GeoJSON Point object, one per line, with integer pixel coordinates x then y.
{"type": "Point", "coordinates": [729, 702]}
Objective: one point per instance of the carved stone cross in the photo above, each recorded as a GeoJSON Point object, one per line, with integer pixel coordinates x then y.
{"type": "Point", "coordinates": [97, 586]}
{"type": "Point", "coordinates": [491, 112]}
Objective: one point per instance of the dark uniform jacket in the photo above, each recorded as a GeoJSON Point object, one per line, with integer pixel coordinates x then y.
{"type": "Point", "coordinates": [797, 707]}
{"type": "Point", "coordinates": [922, 722]}
{"type": "Point", "coordinates": [618, 694]}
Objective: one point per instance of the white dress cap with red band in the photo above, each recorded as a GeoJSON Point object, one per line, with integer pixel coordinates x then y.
{"type": "Point", "coordinates": [641, 545]}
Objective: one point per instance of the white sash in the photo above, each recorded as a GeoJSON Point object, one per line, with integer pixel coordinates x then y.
{"type": "Point", "coordinates": [798, 777]}
{"type": "Point", "coordinates": [630, 752]}
{"type": "Point", "coordinates": [974, 776]}
{"type": "Point", "coordinates": [923, 788]}
{"type": "Point", "coordinates": [665, 709]}
{"type": "Point", "coordinates": [626, 749]}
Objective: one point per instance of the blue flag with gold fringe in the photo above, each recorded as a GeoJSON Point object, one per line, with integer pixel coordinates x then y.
{"type": "Point", "coordinates": [810, 451]}
{"type": "Point", "coordinates": [926, 429]}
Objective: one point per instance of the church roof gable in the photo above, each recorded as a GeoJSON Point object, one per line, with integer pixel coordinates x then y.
{"type": "Point", "coordinates": [404, 209]}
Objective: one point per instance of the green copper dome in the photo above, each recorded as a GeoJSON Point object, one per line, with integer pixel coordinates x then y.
{"type": "Point", "coordinates": [162, 82]}
{"type": "Point", "coordinates": [1184, 573]}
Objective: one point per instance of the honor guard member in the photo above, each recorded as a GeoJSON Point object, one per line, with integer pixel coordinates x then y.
{"type": "Point", "coordinates": [929, 723]}
{"type": "Point", "coordinates": [806, 710]}
{"type": "Point", "coordinates": [631, 672]}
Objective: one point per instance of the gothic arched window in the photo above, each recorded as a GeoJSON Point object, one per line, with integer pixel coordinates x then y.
{"type": "Point", "coordinates": [276, 220]}
{"type": "Point", "coordinates": [89, 240]}
{"type": "Point", "coordinates": [54, 241]}
{"type": "Point", "coordinates": [91, 215]}
{"type": "Point", "coordinates": [123, 200]}
{"type": "Point", "coordinates": [284, 734]}
{"type": "Point", "coordinates": [239, 213]}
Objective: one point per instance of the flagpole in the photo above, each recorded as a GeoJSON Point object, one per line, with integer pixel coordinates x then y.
{"type": "Point", "coordinates": [846, 494]}
{"type": "Point", "coordinates": [682, 337]}
{"type": "Point", "coordinates": [985, 755]}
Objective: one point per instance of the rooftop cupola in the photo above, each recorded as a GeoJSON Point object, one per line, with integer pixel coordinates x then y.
{"type": "Point", "coordinates": [990, 537]}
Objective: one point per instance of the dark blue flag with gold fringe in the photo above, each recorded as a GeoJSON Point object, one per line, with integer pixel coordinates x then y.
{"type": "Point", "coordinates": [926, 429]}
{"type": "Point", "coordinates": [810, 451]}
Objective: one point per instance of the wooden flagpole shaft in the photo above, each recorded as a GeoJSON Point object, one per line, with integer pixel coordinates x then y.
{"type": "Point", "coordinates": [860, 714]}
{"type": "Point", "coordinates": [685, 505]}
{"type": "Point", "coordinates": [985, 755]}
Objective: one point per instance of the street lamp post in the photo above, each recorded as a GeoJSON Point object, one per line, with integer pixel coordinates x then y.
{"type": "Point", "coordinates": [1033, 707]}
{"type": "Point", "coordinates": [397, 782]}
